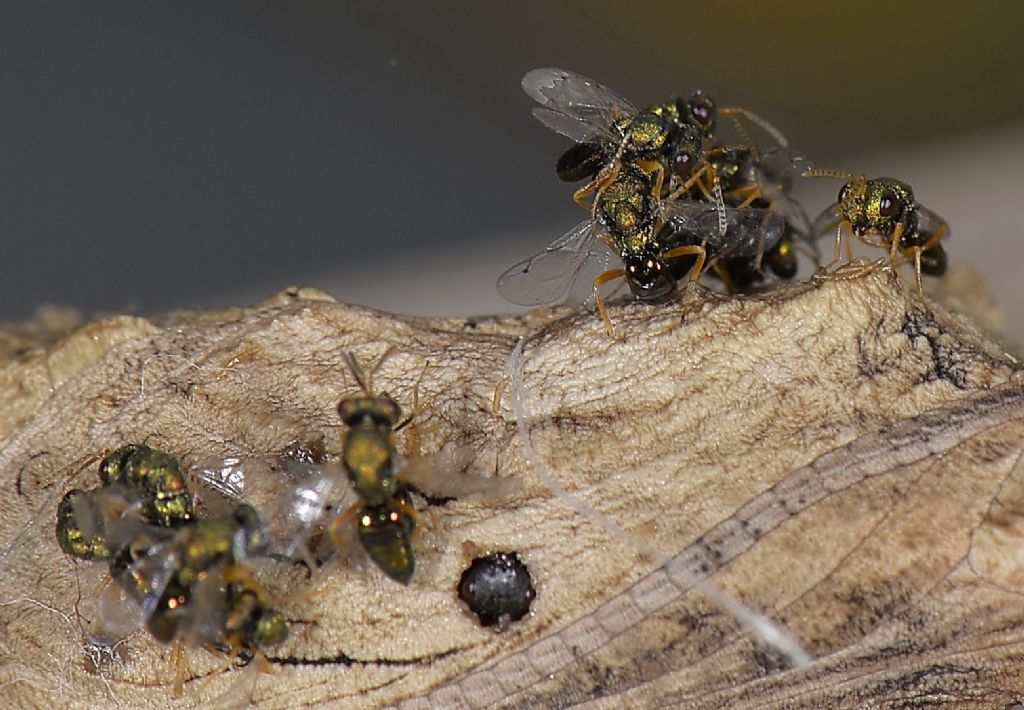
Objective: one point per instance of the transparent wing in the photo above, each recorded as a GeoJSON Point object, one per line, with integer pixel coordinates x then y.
{"type": "Point", "coordinates": [749, 231]}
{"type": "Point", "coordinates": [826, 223]}
{"type": "Point", "coordinates": [779, 168]}
{"type": "Point", "coordinates": [928, 222]}
{"type": "Point", "coordinates": [549, 276]}
{"type": "Point", "coordinates": [444, 474]}
{"type": "Point", "coordinates": [573, 105]}
{"type": "Point", "coordinates": [139, 583]}
{"type": "Point", "coordinates": [294, 497]}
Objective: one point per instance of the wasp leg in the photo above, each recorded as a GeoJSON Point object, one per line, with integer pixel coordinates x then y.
{"type": "Point", "coordinates": [417, 519]}
{"type": "Point", "coordinates": [700, 251]}
{"type": "Point", "coordinates": [930, 243]}
{"type": "Point", "coordinates": [695, 179]}
{"type": "Point", "coordinates": [839, 246]}
{"type": "Point", "coordinates": [752, 192]}
{"type": "Point", "coordinates": [653, 167]}
{"type": "Point", "coordinates": [725, 277]}
{"type": "Point", "coordinates": [413, 438]}
{"type": "Point", "coordinates": [602, 309]}
{"type": "Point", "coordinates": [598, 184]}
{"type": "Point", "coordinates": [338, 525]}
{"type": "Point", "coordinates": [180, 668]}
{"type": "Point", "coordinates": [894, 244]}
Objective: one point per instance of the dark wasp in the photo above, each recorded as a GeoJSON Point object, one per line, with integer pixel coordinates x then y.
{"type": "Point", "coordinates": [627, 223]}
{"type": "Point", "coordinates": [751, 178]}
{"type": "Point", "coordinates": [666, 139]}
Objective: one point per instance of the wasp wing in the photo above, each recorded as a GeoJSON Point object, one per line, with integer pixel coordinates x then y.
{"type": "Point", "coordinates": [139, 578]}
{"type": "Point", "coordinates": [577, 107]}
{"type": "Point", "coordinates": [929, 223]}
{"type": "Point", "coordinates": [294, 497]}
{"type": "Point", "coordinates": [552, 275]}
{"type": "Point", "coordinates": [749, 231]}
{"type": "Point", "coordinates": [827, 222]}
{"type": "Point", "coordinates": [444, 473]}
{"type": "Point", "coordinates": [778, 170]}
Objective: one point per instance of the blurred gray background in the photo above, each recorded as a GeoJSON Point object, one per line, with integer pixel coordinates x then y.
{"type": "Point", "coordinates": [196, 154]}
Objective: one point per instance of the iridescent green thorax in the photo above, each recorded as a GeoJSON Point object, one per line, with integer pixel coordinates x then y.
{"type": "Point", "coordinates": [879, 206]}
{"type": "Point", "coordinates": [647, 134]}
{"type": "Point", "coordinates": [210, 541]}
{"type": "Point", "coordinates": [157, 476]}
{"type": "Point", "coordinates": [385, 533]}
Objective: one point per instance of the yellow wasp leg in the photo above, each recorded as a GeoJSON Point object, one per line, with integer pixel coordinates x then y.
{"type": "Point", "coordinates": [602, 309]}
{"type": "Point", "coordinates": [701, 252]}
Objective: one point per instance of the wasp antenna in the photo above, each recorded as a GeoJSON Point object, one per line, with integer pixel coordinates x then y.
{"type": "Point", "coordinates": [357, 372]}
{"type": "Point", "coordinates": [822, 172]}
{"type": "Point", "coordinates": [757, 120]}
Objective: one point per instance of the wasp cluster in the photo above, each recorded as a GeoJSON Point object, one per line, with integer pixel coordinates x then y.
{"type": "Point", "coordinates": [193, 578]}
{"type": "Point", "coordinates": [183, 576]}
{"type": "Point", "coordinates": [669, 197]}
{"type": "Point", "coordinates": [673, 200]}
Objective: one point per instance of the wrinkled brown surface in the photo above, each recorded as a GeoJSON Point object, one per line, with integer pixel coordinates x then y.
{"type": "Point", "coordinates": [841, 457]}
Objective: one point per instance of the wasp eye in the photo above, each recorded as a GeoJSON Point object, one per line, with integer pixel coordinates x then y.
{"type": "Point", "coordinates": [888, 205]}
{"type": "Point", "coordinates": [682, 165]}
{"type": "Point", "coordinates": [844, 191]}
{"type": "Point", "coordinates": [702, 110]}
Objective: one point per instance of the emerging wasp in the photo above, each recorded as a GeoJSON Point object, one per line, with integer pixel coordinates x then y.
{"type": "Point", "coordinates": [883, 213]}
{"type": "Point", "coordinates": [141, 485]}
{"type": "Point", "coordinates": [161, 570]}
{"type": "Point", "coordinates": [193, 586]}
{"type": "Point", "coordinates": [182, 577]}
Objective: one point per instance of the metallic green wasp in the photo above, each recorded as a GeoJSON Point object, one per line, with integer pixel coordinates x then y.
{"type": "Point", "coordinates": [157, 476]}
{"type": "Point", "coordinates": [141, 485]}
{"type": "Point", "coordinates": [194, 586]}
{"type": "Point", "coordinates": [883, 213]}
